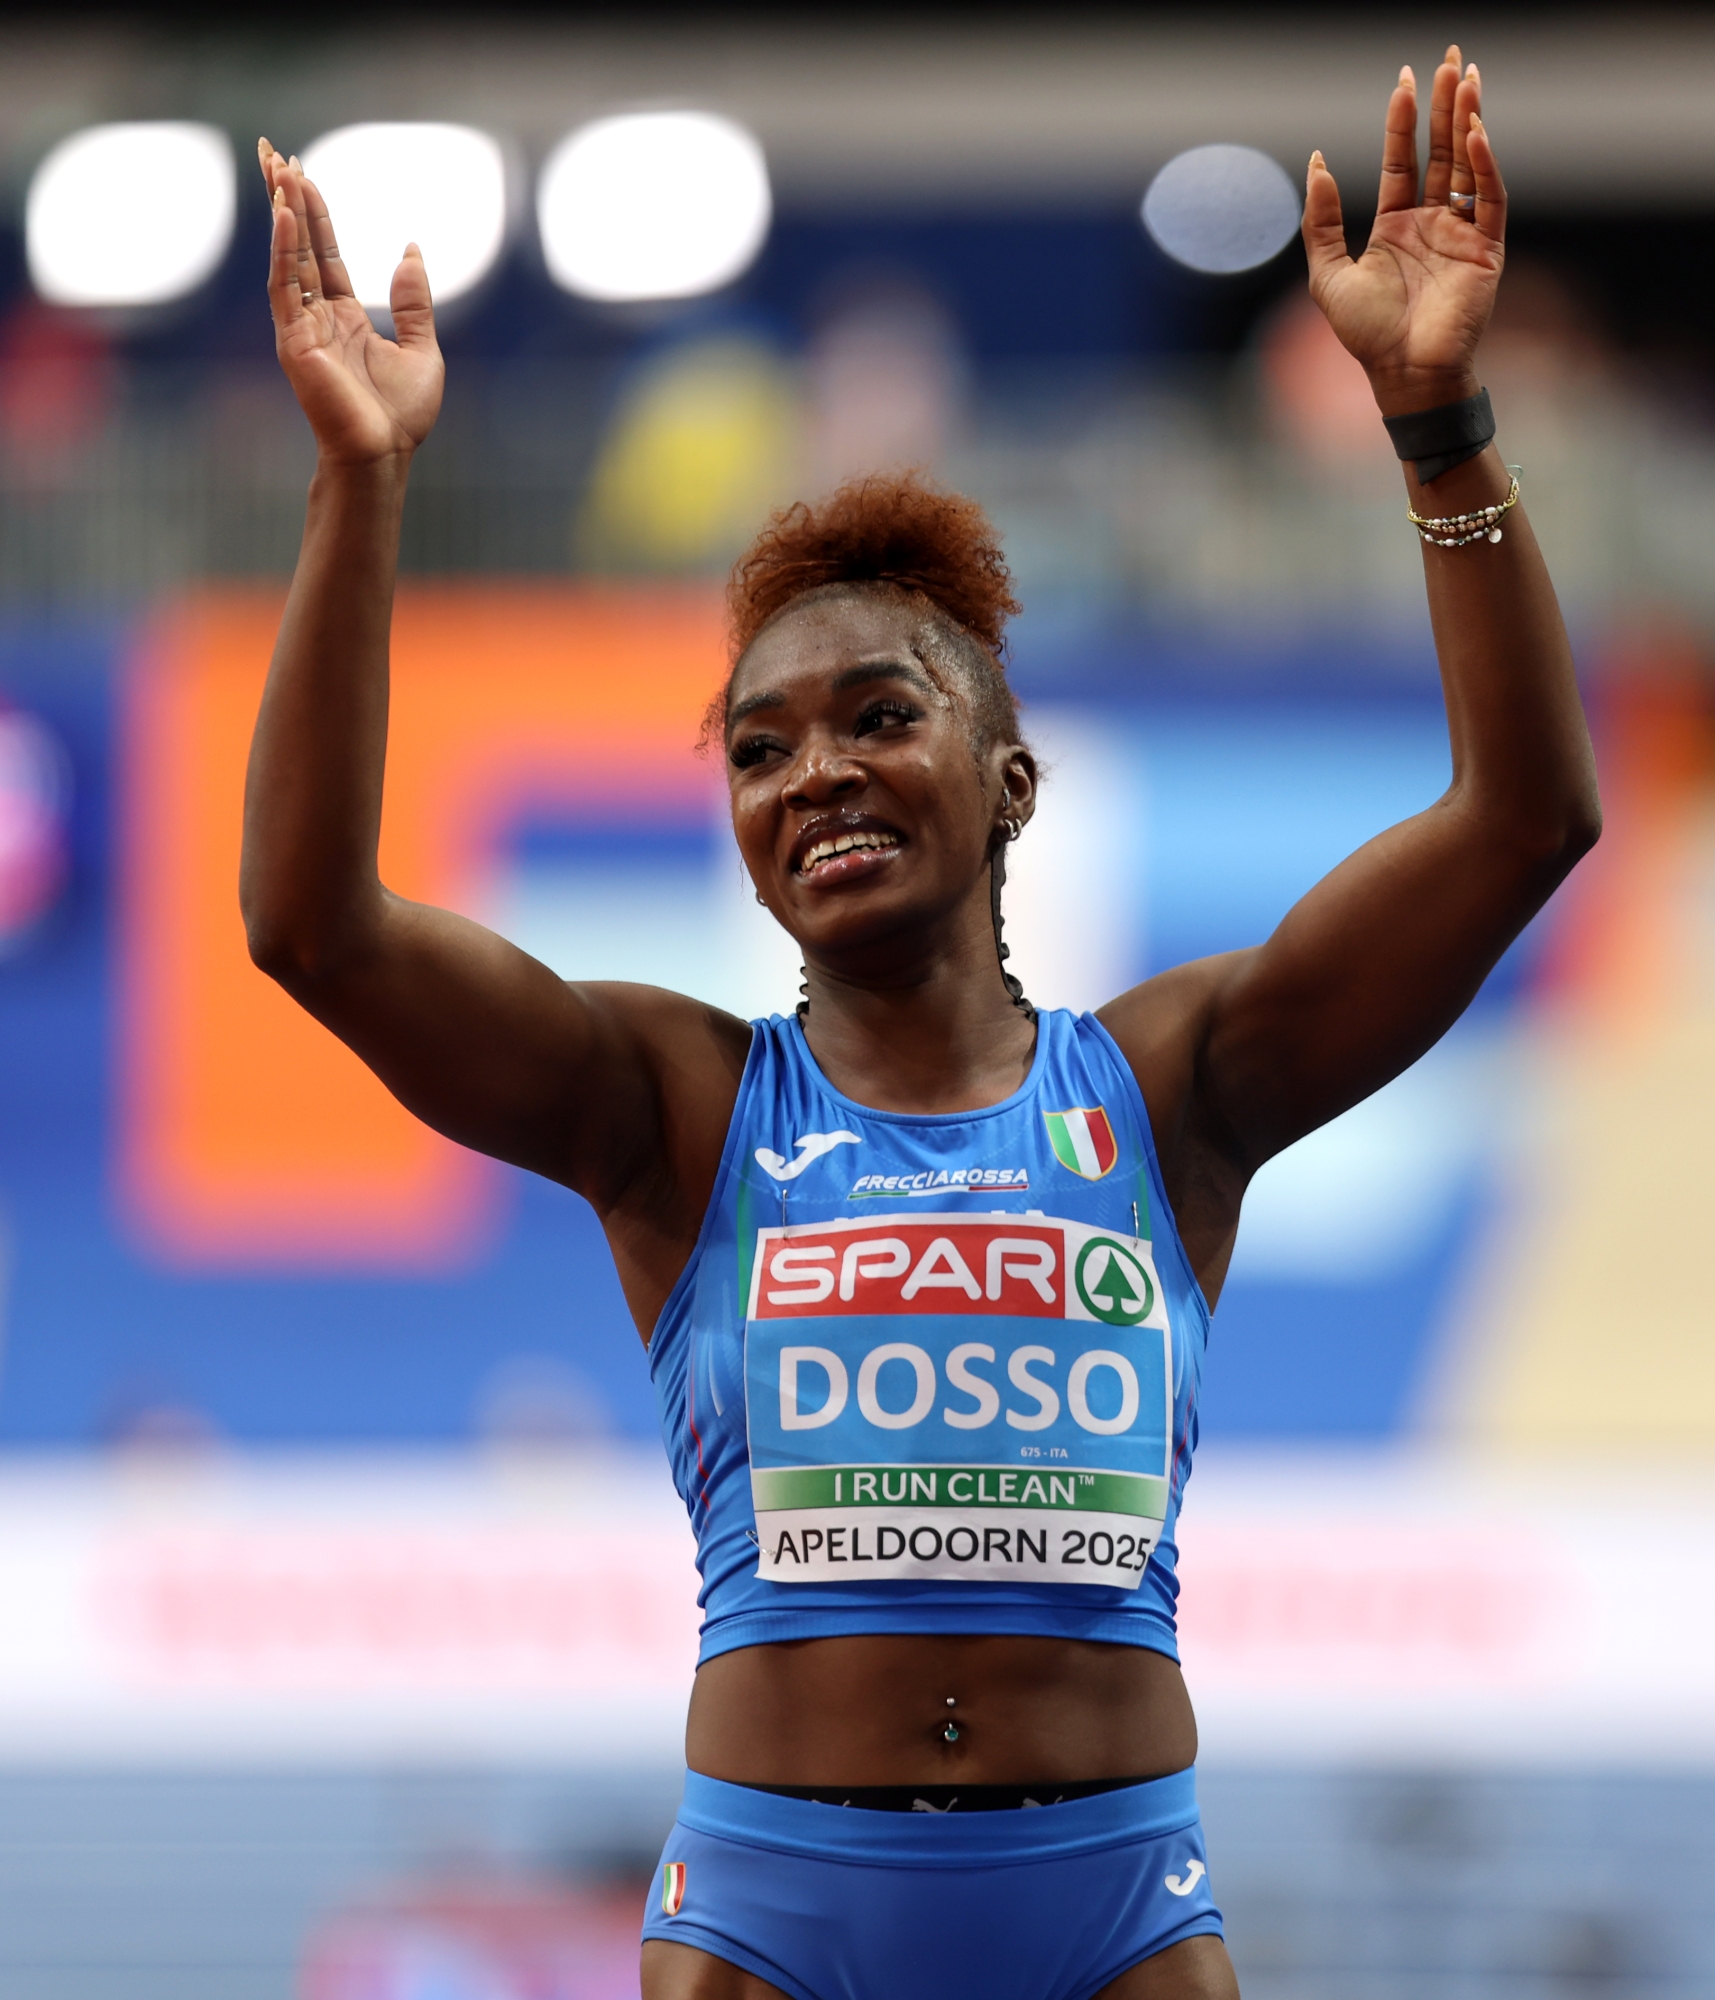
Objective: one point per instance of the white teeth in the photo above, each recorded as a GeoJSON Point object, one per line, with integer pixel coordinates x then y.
{"type": "Point", "coordinates": [843, 843]}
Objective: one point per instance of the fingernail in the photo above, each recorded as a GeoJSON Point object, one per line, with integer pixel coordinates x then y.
{"type": "Point", "coordinates": [279, 196]}
{"type": "Point", "coordinates": [1477, 125]}
{"type": "Point", "coordinates": [1471, 71]}
{"type": "Point", "coordinates": [1406, 76]}
{"type": "Point", "coordinates": [297, 164]}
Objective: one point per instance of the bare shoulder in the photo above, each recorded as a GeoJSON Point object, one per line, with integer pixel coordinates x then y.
{"type": "Point", "coordinates": [660, 1157]}
{"type": "Point", "coordinates": [675, 1025]}
{"type": "Point", "coordinates": [1164, 1028]}
{"type": "Point", "coordinates": [691, 1056]}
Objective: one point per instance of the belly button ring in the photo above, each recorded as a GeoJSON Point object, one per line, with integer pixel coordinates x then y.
{"type": "Point", "coordinates": [951, 1733]}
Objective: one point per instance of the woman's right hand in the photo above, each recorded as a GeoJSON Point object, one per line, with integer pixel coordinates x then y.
{"type": "Point", "coordinates": [368, 399]}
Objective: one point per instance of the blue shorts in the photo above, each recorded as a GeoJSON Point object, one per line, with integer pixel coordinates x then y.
{"type": "Point", "coordinates": [839, 1903]}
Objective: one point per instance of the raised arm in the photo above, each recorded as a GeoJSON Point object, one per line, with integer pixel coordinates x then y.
{"type": "Point", "coordinates": [1241, 1055]}
{"type": "Point", "coordinates": [621, 1092]}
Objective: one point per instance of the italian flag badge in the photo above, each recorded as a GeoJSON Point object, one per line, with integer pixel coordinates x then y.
{"type": "Point", "coordinates": [1083, 1140]}
{"type": "Point", "coordinates": [672, 1887]}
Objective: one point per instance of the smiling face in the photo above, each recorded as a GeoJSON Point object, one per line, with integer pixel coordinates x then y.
{"type": "Point", "coordinates": [865, 801]}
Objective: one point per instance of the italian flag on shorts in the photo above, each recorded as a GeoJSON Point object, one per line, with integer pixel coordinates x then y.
{"type": "Point", "coordinates": [672, 1887]}
{"type": "Point", "coordinates": [1083, 1140]}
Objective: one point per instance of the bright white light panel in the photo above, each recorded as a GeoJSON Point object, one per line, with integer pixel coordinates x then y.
{"type": "Point", "coordinates": [442, 187]}
{"type": "Point", "coordinates": [130, 215]}
{"type": "Point", "coordinates": [653, 205]}
{"type": "Point", "coordinates": [642, 205]}
{"type": "Point", "coordinates": [1222, 208]}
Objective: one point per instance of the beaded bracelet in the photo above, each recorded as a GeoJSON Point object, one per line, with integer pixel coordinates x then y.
{"type": "Point", "coordinates": [1483, 523]}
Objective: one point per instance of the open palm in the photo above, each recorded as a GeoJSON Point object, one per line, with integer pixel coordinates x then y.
{"type": "Point", "coordinates": [367, 397]}
{"type": "Point", "coordinates": [1413, 307]}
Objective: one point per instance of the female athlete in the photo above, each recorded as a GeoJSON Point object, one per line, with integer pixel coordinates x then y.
{"type": "Point", "coordinates": [924, 1275]}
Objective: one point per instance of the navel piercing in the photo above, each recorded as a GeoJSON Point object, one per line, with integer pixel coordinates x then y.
{"type": "Point", "coordinates": [952, 1701]}
{"type": "Point", "coordinates": [951, 1733]}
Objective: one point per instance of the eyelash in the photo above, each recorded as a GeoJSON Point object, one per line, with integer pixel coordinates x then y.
{"type": "Point", "coordinates": [903, 709]}
{"type": "Point", "coordinates": [753, 749]}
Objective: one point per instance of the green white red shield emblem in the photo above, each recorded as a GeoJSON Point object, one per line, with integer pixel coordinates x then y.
{"type": "Point", "coordinates": [1083, 1140]}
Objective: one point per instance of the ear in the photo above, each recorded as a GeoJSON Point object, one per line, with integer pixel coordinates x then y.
{"type": "Point", "coordinates": [1016, 777]}
{"type": "Point", "coordinates": [1020, 783]}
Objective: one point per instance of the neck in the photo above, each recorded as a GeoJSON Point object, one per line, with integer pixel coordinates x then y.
{"type": "Point", "coordinates": [939, 1035]}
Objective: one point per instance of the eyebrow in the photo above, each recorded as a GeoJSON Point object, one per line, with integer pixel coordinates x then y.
{"type": "Point", "coordinates": [848, 677]}
{"type": "Point", "coordinates": [883, 670]}
{"type": "Point", "coordinates": [750, 704]}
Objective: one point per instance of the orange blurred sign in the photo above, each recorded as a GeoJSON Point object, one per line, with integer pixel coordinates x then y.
{"type": "Point", "coordinates": [248, 1134]}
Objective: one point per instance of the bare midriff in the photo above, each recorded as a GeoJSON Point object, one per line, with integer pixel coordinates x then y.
{"type": "Point", "coordinates": [932, 1709]}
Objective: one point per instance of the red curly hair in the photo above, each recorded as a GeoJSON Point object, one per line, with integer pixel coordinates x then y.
{"type": "Point", "coordinates": [894, 532]}
{"type": "Point", "coordinates": [882, 528]}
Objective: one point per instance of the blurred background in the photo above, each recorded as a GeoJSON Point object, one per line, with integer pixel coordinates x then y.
{"type": "Point", "coordinates": [346, 1612]}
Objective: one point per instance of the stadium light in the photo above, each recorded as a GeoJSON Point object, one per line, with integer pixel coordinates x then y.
{"type": "Point", "coordinates": [1222, 208]}
{"type": "Point", "coordinates": [130, 215]}
{"type": "Point", "coordinates": [440, 186]}
{"type": "Point", "coordinates": [653, 205]}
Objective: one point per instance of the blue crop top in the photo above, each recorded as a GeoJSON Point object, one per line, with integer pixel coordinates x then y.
{"type": "Point", "coordinates": [935, 1374]}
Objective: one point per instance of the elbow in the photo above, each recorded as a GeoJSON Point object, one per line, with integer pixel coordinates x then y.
{"type": "Point", "coordinates": [1548, 840]}
{"type": "Point", "coordinates": [300, 928]}
{"type": "Point", "coordinates": [1582, 827]}
{"type": "Point", "coordinates": [293, 953]}
{"type": "Point", "coordinates": [275, 948]}
{"type": "Point", "coordinates": [1550, 849]}
{"type": "Point", "coordinates": [272, 950]}
{"type": "Point", "coordinates": [269, 932]}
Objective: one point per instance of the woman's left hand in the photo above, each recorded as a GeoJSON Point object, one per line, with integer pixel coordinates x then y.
{"type": "Point", "coordinates": [1413, 307]}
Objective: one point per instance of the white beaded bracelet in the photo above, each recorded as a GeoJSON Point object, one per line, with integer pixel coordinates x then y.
{"type": "Point", "coordinates": [1482, 524]}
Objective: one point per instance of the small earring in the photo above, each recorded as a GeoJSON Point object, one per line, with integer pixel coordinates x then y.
{"type": "Point", "coordinates": [1011, 827]}
{"type": "Point", "coordinates": [762, 899]}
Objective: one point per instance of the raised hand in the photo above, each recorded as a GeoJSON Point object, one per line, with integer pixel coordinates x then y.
{"type": "Point", "coordinates": [367, 398]}
{"type": "Point", "coordinates": [1413, 307]}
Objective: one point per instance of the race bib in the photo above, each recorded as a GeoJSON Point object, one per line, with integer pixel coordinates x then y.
{"type": "Point", "coordinates": [941, 1397]}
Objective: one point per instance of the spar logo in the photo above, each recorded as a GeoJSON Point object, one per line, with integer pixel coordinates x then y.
{"type": "Point", "coordinates": [994, 1265]}
{"type": "Point", "coordinates": [939, 1264]}
{"type": "Point", "coordinates": [1112, 1283]}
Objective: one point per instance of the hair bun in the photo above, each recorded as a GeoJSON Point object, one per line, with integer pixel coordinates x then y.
{"type": "Point", "coordinates": [890, 528]}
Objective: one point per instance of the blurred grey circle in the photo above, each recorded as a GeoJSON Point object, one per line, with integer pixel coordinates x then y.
{"type": "Point", "coordinates": [1222, 208]}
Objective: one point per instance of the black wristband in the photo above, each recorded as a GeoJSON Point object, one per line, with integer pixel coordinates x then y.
{"type": "Point", "coordinates": [1442, 438]}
